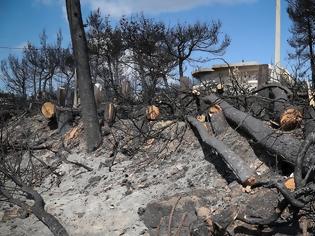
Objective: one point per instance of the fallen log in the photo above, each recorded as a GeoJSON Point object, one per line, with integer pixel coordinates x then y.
{"type": "Point", "coordinates": [280, 103]}
{"type": "Point", "coordinates": [218, 122]}
{"type": "Point", "coordinates": [282, 144]}
{"type": "Point", "coordinates": [231, 138]}
{"type": "Point", "coordinates": [244, 174]}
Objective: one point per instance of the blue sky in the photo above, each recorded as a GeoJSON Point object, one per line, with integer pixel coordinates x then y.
{"type": "Point", "coordinates": [249, 23]}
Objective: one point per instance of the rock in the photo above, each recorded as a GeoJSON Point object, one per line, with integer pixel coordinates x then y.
{"type": "Point", "coordinates": [262, 204]}
{"type": "Point", "coordinates": [158, 212]}
{"type": "Point", "coordinates": [199, 228]}
{"type": "Point", "coordinates": [179, 167]}
{"type": "Point", "coordinates": [225, 217]}
{"type": "Point", "coordinates": [14, 213]}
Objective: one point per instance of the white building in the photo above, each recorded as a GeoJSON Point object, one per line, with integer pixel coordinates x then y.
{"type": "Point", "coordinates": [253, 74]}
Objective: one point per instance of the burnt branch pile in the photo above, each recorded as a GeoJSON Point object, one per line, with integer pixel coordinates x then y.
{"type": "Point", "coordinates": [266, 157]}
{"type": "Point", "coordinates": [290, 154]}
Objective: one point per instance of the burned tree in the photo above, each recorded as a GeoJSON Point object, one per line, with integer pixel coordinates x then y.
{"type": "Point", "coordinates": [15, 75]}
{"type": "Point", "coordinates": [301, 12]}
{"type": "Point", "coordinates": [184, 39]}
{"type": "Point", "coordinates": [89, 114]}
{"type": "Point", "coordinates": [106, 48]}
{"type": "Point", "coordinates": [148, 52]}
{"type": "Point", "coordinates": [43, 63]}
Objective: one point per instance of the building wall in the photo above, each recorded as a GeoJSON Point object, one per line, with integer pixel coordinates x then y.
{"type": "Point", "coordinates": [254, 75]}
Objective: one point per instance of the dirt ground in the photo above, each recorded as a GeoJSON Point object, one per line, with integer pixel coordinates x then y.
{"type": "Point", "coordinates": [101, 202]}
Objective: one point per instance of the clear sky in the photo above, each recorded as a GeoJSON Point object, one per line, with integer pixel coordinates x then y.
{"type": "Point", "coordinates": [249, 23]}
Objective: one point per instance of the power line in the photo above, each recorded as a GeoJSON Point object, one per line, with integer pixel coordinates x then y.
{"type": "Point", "coordinates": [16, 48]}
{"type": "Point", "coordinates": [11, 48]}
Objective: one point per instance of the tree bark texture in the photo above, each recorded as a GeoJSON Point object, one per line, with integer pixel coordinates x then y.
{"type": "Point", "coordinates": [236, 142]}
{"type": "Point", "coordinates": [88, 106]}
{"type": "Point", "coordinates": [281, 102]}
{"type": "Point", "coordinates": [244, 174]}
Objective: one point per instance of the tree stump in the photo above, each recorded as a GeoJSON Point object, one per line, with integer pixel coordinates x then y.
{"type": "Point", "coordinates": [152, 112]}
{"type": "Point", "coordinates": [109, 113]}
{"type": "Point", "coordinates": [48, 110]}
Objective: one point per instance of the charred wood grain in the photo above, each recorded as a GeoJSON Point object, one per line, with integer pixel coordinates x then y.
{"type": "Point", "coordinates": [238, 144]}
{"type": "Point", "coordinates": [242, 171]}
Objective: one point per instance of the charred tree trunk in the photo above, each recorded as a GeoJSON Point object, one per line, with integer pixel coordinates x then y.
{"type": "Point", "coordinates": [244, 174]}
{"type": "Point", "coordinates": [235, 141]}
{"type": "Point", "coordinates": [280, 103]}
{"type": "Point", "coordinates": [89, 113]}
{"type": "Point", "coordinates": [279, 143]}
{"type": "Point", "coordinates": [181, 68]}
{"type": "Point", "coordinates": [310, 47]}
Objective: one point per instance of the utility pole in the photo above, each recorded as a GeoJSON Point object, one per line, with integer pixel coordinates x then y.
{"type": "Point", "coordinates": [277, 38]}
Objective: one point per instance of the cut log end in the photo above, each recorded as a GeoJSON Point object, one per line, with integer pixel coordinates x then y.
{"type": "Point", "coordinates": [290, 119]}
{"type": "Point", "coordinates": [152, 113]}
{"type": "Point", "coordinates": [250, 181]}
{"type": "Point", "coordinates": [48, 110]}
{"type": "Point", "coordinates": [215, 109]}
{"type": "Point", "coordinates": [201, 118]}
{"type": "Point", "coordinates": [290, 184]}
{"type": "Point", "coordinates": [220, 88]}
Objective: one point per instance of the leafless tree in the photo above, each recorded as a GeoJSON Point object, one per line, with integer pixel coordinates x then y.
{"type": "Point", "coordinates": [15, 75]}
{"type": "Point", "coordinates": [303, 32]}
{"type": "Point", "coordinates": [43, 62]}
{"type": "Point", "coordinates": [148, 52]}
{"type": "Point", "coordinates": [106, 48]}
{"type": "Point", "coordinates": [183, 40]}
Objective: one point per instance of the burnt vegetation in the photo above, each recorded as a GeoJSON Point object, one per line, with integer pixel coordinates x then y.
{"type": "Point", "coordinates": [123, 85]}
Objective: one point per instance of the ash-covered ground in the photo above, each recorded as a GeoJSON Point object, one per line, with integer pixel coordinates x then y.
{"type": "Point", "coordinates": [104, 202]}
{"type": "Point", "coordinates": [143, 180]}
